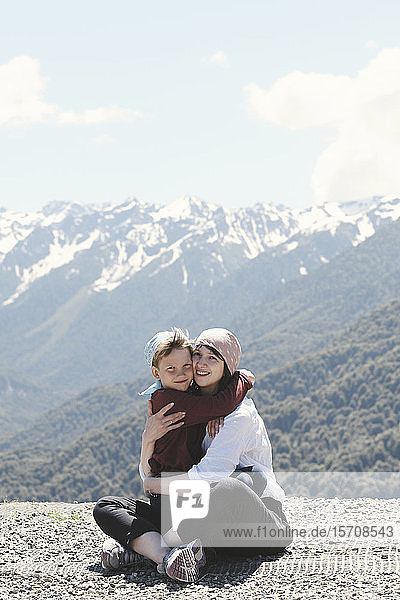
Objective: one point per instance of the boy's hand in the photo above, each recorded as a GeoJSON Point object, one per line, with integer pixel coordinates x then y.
{"type": "Point", "coordinates": [214, 425]}
{"type": "Point", "coordinates": [158, 424]}
{"type": "Point", "coordinates": [250, 376]}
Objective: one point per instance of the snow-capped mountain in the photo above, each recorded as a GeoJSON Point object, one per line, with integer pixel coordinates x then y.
{"type": "Point", "coordinates": [82, 287]}
{"type": "Point", "coordinates": [109, 245]}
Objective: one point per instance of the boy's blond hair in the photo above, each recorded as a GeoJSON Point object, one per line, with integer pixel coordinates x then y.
{"type": "Point", "coordinates": [178, 339]}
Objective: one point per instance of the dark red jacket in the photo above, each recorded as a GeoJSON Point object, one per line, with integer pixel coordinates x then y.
{"type": "Point", "coordinates": [180, 449]}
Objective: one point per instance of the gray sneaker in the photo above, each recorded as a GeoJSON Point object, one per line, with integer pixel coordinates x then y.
{"type": "Point", "coordinates": [114, 555]}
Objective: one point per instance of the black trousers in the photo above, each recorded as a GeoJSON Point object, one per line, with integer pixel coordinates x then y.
{"type": "Point", "coordinates": [125, 519]}
{"type": "Point", "coordinates": [233, 506]}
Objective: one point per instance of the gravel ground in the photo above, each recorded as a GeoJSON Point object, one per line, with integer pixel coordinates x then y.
{"type": "Point", "coordinates": [52, 551]}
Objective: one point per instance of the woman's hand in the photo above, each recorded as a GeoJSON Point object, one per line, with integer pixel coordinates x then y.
{"type": "Point", "coordinates": [160, 485]}
{"type": "Point", "coordinates": [159, 424]}
{"type": "Point", "coordinates": [151, 485]}
{"type": "Point", "coordinates": [214, 425]}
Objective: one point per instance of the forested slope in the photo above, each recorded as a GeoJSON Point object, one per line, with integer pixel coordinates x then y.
{"type": "Point", "coordinates": [93, 409]}
{"type": "Point", "coordinates": [339, 409]}
{"type": "Point", "coordinates": [101, 462]}
{"type": "Point", "coordinates": [22, 399]}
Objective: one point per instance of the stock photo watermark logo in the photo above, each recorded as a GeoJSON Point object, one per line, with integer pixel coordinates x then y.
{"type": "Point", "coordinates": [199, 510]}
{"type": "Point", "coordinates": [188, 499]}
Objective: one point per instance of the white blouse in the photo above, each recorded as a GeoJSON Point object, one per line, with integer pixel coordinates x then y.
{"type": "Point", "coordinates": [242, 441]}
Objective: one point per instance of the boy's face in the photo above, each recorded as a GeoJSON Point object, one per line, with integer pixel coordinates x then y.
{"type": "Point", "coordinates": [175, 371]}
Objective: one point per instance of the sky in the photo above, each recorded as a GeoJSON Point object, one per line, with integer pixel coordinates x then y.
{"type": "Point", "coordinates": [236, 102]}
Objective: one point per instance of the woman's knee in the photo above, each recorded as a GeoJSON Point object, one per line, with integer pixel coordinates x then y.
{"type": "Point", "coordinates": [231, 485]}
{"type": "Point", "coordinates": [101, 504]}
{"type": "Point", "coordinates": [245, 478]}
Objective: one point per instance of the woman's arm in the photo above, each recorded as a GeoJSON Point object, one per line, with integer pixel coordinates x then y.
{"type": "Point", "coordinates": [156, 426]}
{"type": "Point", "coordinates": [200, 409]}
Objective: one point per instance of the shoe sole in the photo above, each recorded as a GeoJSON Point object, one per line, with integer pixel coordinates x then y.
{"type": "Point", "coordinates": [182, 566]}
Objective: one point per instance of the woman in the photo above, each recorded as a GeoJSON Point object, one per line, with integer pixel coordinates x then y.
{"type": "Point", "coordinates": [242, 442]}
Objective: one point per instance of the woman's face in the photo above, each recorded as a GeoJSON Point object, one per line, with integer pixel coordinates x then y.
{"type": "Point", "coordinates": [208, 369]}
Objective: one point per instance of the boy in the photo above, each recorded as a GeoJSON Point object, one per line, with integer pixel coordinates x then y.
{"type": "Point", "coordinates": [170, 356]}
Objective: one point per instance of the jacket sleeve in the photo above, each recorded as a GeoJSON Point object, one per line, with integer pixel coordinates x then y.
{"type": "Point", "coordinates": [202, 408]}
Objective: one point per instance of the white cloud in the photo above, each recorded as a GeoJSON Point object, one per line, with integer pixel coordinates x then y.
{"type": "Point", "coordinates": [21, 91]}
{"type": "Point", "coordinates": [22, 88]}
{"type": "Point", "coordinates": [219, 59]}
{"type": "Point", "coordinates": [300, 100]}
{"type": "Point", "coordinates": [97, 116]}
{"type": "Point", "coordinates": [372, 45]}
{"type": "Point", "coordinates": [362, 157]}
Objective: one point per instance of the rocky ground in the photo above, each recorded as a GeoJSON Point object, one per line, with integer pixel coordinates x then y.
{"type": "Point", "coordinates": [52, 551]}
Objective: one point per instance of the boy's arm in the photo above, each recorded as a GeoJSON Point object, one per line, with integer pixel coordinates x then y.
{"type": "Point", "coordinates": [202, 408]}
{"type": "Point", "coordinates": [147, 449]}
{"type": "Point", "coordinates": [145, 454]}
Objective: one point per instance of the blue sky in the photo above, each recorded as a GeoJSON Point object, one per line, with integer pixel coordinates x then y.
{"type": "Point", "coordinates": [235, 102]}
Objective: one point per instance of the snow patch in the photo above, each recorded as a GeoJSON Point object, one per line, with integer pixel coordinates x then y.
{"type": "Point", "coordinates": [365, 229]}
{"type": "Point", "coordinates": [113, 276]}
{"type": "Point", "coordinates": [290, 247]}
{"type": "Point", "coordinates": [54, 218]}
{"type": "Point", "coordinates": [182, 208]}
{"type": "Point", "coordinates": [58, 256]}
{"type": "Point", "coordinates": [389, 208]}
{"type": "Point", "coordinates": [71, 273]}
{"type": "Point", "coordinates": [149, 234]}
{"type": "Point", "coordinates": [176, 253]}
{"type": "Point", "coordinates": [119, 207]}
{"type": "Point", "coordinates": [185, 275]}
{"type": "Point", "coordinates": [254, 246]}
{"type": "Point", "coordinates": [14, 228]}
{"type": "Point", "coordinates": [123, 269]}
{"type": "Point", "coordinates": [125, 207]}
{"type": "Point", "coordinates": [8, 242]}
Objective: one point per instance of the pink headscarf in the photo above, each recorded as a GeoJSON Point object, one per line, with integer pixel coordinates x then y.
{"type": "Point", "coordinates": [224, 342]}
